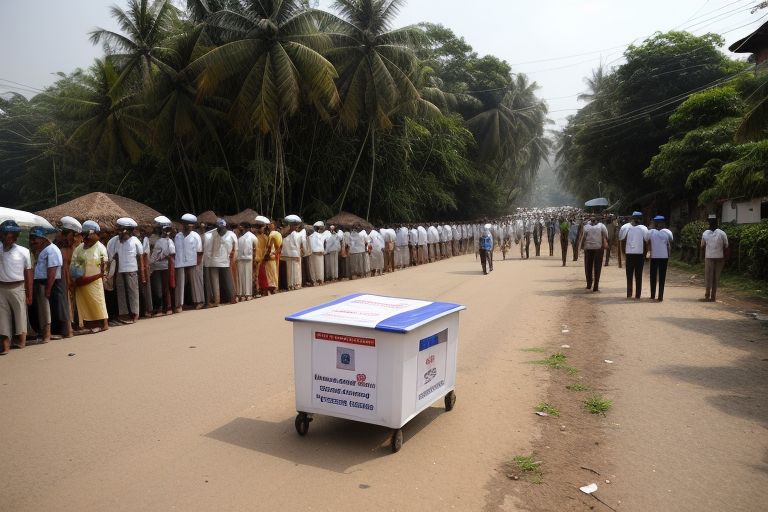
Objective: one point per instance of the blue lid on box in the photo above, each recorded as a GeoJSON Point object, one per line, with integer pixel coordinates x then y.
{"type": "Point", "coordinates": [389, 314]}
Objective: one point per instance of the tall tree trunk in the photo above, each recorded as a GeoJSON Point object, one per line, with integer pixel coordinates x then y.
{"type": "Point", "coordinates": [55, 185]}
{"type": "Point", "coordinates": [373, 172]}
{"type": "Point", "coordinates": [309, 166]}
{"type": "Point", "coordinates": [191, 195]}
{"type": "Point", "coordinates": [352, 172]}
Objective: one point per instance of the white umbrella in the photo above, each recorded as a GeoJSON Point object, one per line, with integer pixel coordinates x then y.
{"type": "Point", "coordinates": [599, 201]}
{"type": "Point", "coordinates": [24, 219]}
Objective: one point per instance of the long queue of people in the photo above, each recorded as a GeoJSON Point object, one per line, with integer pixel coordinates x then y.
{"type": "Point", "coordinates": [86, 278]}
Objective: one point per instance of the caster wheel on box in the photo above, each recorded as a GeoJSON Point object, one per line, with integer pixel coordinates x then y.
{"type": "Point", "coordinates": [450, 400]}
{"type": "Point", "coordinates": [397, 440]}
{"type": "Point", "coordinates": [302, 423]}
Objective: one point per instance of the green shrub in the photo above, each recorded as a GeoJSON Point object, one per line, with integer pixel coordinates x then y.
{"type": "Point", "coordinates": [749, 247]}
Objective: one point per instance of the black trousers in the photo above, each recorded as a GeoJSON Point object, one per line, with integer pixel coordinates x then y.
{"type": "Point", "coordinates": [486, 258]}
{"type": "Point", "coordinates": [658, 269]}
{"type": "Point", "coordinates": [564, 246]}
{"type": "Point", "coordinates": [634, 266]}
{"type": "Point", "coordinates": [593, 264]}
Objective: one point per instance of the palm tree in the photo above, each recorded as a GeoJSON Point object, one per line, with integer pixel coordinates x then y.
{"type": "Point", "coordinates": [595, 85]}
{"type": "Point", "coordinates": [272, 62]}
{"type": "Point", "coordinates": [182, 126]}
{"type": "Point", "coordinates": [510, 130]}
{"type": "Point", "coordinates": [146, 26]}
{"type": "Point", "coordinates": [377, 67]}
{"type": "Point", "coordinates": [108, 121]}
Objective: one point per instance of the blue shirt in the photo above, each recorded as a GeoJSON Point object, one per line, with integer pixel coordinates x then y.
{"type": "Point", "coordinates": [48, 257]}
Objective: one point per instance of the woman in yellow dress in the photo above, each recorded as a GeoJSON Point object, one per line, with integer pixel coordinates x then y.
{"type": "Point", "coordinates": [87, 270]}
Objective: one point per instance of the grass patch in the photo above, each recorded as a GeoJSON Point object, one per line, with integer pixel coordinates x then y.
{"type": "Point", "coordinates": [529, 468]}
{"type": "Point", "coordinates": [547, 408]}
{"type": "Point", "coordinates": [556, 361]}
{"type": "Point", "coordinates": [596, 404]}
{"type": "Point", "coordinates": [577, 387]}
{"type": "Point", "coordinates": [731, 280]}
{"type": "Point", "coordinates": [534, 349]}
{"type": "Point", "coordinates": [571, 370]}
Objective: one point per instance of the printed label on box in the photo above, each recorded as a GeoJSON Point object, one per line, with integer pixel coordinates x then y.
{"type": "Point", "coordinates": [344, 374]}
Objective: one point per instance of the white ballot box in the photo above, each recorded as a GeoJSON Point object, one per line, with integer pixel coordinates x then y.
{"type": "Point", "coordinates": [374, 359]}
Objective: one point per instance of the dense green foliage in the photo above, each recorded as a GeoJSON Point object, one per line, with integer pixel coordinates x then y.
{"type": "Point", "coordinates": [661, 126]}
{"type": "Point", "coordinates": [748, 244]}
{"type": "Point", "coordinates": [270, 104]}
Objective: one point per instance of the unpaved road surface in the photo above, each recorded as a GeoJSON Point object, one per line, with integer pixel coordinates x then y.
{"type": "Point", "coordinates": [195, 411]}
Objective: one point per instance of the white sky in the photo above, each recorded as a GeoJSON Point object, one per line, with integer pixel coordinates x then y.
{"type": "Point", "coordinates": [568, 38]}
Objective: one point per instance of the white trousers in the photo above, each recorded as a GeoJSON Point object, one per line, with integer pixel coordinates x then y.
{"type": "Point", "coordinates": [245, 278]}
{"type": "Point", "coordinates": [316, 267]}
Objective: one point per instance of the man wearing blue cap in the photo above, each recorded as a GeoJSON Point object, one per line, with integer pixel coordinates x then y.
{"type": "Point", "coordinates": [50, 295]}
{"type": "Point", "coordinates": [15, 287]}
{"type": "Point", "coordinates": [634, 238]}
{"type": "Point", "coordinates": [660, 239]}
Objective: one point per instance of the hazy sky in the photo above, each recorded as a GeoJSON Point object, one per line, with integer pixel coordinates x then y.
{"type": "Point", "coordinates": [556, 42]}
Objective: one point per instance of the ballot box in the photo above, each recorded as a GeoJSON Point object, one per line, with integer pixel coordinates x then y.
{"type": "Point", "coordinates": [375, 359]}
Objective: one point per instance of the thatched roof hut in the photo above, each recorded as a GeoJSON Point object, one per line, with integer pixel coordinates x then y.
{"type": "Point", "coordinates": [104, 209]}
{"type": "Point", "coordinates": [246, 215]}
{"type": "Point", "coordinates": [346, 220]}
{"type": "Point", "coordinates": [208, 217]}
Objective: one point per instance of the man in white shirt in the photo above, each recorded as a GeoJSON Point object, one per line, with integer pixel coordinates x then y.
{"type": "Point", "coordinates": [161, 264]}
{"type": "Point", "coordinates": [634, 244]}
{"type": "Point", "coordinates": [401, 247]}
{"type": "Point", "coordinates": [188, 264]}
{"type": "Point", "coordinates": [660, 240]}
{"type": "Point", "coordinates": [390, 238]}
{"type": "Point", "coordinates": [422, 252]}
{"type": "Point", "coordinates": [16, 279]}
{"type": "Point", "coordinates": [332, 248]}
{"type": "Point", "coordinates": [246, 248]}
{"type": "Point", "coordinates": [594, 242]}
{"type": "Point", "coordinates": [128, 251]}
{"type": "Point", "coordinates": [220, 246]}
{"type": "Point", "coordinates": [715, 242]}
{"type": "Point", "coordinates": [317, 242]}
{"type": "Point", "coordinates": [433, 239]}
{"type": "Point", "coordinates": [292, 252]}
{"type": "Point", "coordinates": [358, 248]}
{"type": "Point", "coordinates": [377, 253]}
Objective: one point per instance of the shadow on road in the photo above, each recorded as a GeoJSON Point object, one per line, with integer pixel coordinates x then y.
{"type": "Point", "coordinates": [742, 388]}
{"type": "Point", "coordinates": [331, 443]}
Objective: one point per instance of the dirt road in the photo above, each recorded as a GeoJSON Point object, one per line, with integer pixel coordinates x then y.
{"type": "Point", "coordinates": [195, 411]}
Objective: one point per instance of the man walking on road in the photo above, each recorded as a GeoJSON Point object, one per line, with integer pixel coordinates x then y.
{"type": "Point", "coordinates": [715, 242]}
{"type": "Point", "coordinates": [565, 228]}
{"type": "Point", "coordinates": [486, 249]}
{"type": "Point", "coordinates": [594, 242]}
{"type": "Point", "coordinates": [661, 246]}
{"type": "Point", "coordinates": [633, 238]}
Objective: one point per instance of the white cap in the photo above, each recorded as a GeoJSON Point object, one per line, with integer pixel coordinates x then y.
{"type": "Point", "coordinates": [487, 226]}
{"type": "Point", "coordinates": [72, 224]}
{"type": "Point", "coordinates": [163, 220]}
{"type": "Point", "coordinates": [91, 225]}
{"type": "Point", "coordinates": [293, 219]}
{"type": "Point", "coordinates": [189, 218]}
{"type": "Point", "coordinates": [712, 216]}
{"type": "Point", "coordinates": [126, 222]}
{"type": "Point", "coordinates": [319, 224]}
{"type": "Point", "coordinates": [260, 219]}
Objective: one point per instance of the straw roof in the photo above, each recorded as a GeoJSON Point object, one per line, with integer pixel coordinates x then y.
{"type": "Point", "coordinates": [104, 209]}
{"type": "Point", "coordinates": [347, 220]}
{"type": "Point", "coordinates": [246, 215]}
{"type": "Point", "coordinates": [208, 217]}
